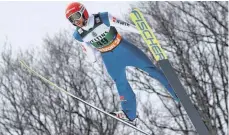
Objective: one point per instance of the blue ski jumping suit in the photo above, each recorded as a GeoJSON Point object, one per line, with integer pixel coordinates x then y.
{"type": "Point", "coordinates": [119, 57]}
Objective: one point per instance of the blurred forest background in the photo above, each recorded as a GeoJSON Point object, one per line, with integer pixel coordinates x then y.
{"type": "Point", "coordinates": [195, 38]}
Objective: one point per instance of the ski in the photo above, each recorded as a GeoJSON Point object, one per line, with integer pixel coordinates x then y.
{"type": "Point", "coordinates": [23, 64]}
{"type": "Point", "coordinates": [162, 60]}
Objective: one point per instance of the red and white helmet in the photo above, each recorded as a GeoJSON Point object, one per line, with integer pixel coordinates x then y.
{"type": "Point", "coordinates": [75, 11]}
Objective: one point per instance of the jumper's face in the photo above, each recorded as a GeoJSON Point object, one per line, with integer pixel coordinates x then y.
{"type": "Point", "coordinates": [77, 19]}
{"type": "Point", "coordinates": [79, 22]}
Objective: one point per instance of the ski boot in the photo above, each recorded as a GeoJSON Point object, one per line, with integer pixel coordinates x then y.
{"type": "Point", "coordinates": [121, 115]}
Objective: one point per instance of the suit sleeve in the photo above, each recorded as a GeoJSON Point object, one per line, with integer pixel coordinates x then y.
{"type": "Point", "coordinates": [124, 26]}
{"type": "Point", "coordinates": [91, 53]}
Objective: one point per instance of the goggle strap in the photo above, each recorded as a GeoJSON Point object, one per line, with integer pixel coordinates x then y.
{"type": "Point", "coordinates": [82, 9]}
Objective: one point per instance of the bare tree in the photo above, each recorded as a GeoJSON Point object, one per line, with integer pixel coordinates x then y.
{"type": "Point", "coordinates": [194, 35]}
{"type": "Point", "coordinates": [30, 106]}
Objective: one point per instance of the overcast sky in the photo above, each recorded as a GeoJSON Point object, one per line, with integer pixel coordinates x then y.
{"type": "Point", "coordinates": [24, 24]}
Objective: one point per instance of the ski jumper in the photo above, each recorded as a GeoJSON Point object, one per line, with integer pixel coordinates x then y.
{"type": "Point", "coordinates": [100, 36]}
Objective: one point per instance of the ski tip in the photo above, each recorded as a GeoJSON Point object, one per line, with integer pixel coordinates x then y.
{"type": "Point", "coordinates": [21, 62]}
{"type": "Point", "coordinates": [135, 10]}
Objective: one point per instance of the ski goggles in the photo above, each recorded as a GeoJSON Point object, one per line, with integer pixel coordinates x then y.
{"type": "Point", "coordinates": [76, 16]}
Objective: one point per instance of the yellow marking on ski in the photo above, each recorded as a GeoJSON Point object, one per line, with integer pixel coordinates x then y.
{"type": "Point", "coordinates": [147, 35]}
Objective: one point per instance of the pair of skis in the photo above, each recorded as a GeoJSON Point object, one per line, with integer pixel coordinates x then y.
{"type": "Point", "coordinates": [161, 58]}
